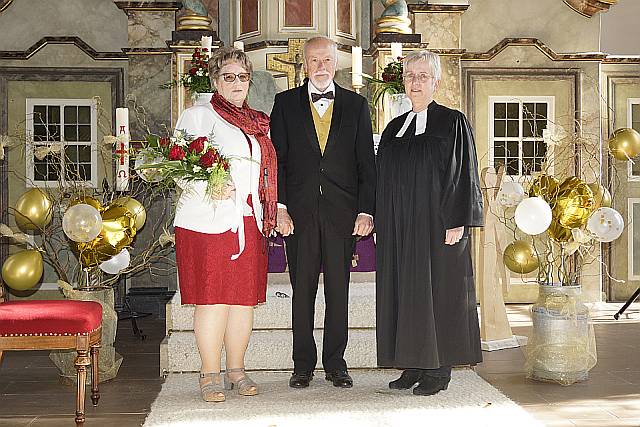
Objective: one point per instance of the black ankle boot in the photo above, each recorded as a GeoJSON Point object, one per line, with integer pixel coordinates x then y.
{"type": "Point", "coordinates": [407, 380]}
{"type": "Point", "coordinates": [431, 385]}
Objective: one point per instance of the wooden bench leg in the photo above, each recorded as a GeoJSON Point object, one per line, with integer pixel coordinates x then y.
{"type": "Point", "coordinates": [95, 375]}
{"type": "Point", "coordinates": [82, 361]}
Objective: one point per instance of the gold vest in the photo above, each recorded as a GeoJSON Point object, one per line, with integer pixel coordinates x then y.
{"type": "Point", "coordinates": [322, 124]}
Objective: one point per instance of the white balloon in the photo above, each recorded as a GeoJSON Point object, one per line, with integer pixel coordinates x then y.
{"type": "Point", "coordinates": [606, 223]}
{"type": "Point", "coordinates": [117, 263]}
{"type": "Point", "coordinates": [510, 194]}
{"type": "Point", "coordinates": [82, 223]}
{"type": "Point", "coordinates": [533, 215]}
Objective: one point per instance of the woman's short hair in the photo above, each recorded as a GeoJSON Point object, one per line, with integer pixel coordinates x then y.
{"type": "Point", "coordinates": [433, 59]}
{"type": "Point", "coordinates": [226, 55]}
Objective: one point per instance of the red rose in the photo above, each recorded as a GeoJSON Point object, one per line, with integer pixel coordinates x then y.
{"type": "Point", "coordinates": [208, 159]}
{"type": "Point", "coordinates": [197, 145]}
{"type": "Point", "coordinates": [164, 142]}
{"type": "Point", "coordinates": [387, 77]}
{"type": "Point", "coordinates": [176, 153]}
{"type": "Point", "coordinates": [193, 71]}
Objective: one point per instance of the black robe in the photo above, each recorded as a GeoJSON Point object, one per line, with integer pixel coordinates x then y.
{"type": "Point", "coordinates": [426, 306]}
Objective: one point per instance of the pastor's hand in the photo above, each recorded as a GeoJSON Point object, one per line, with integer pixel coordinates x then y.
{"type": "Point", "coordinates": [453, 235]}
{"type": "Point", "coordinates": [363, 225]}
{"type": "Point", "coordinates": [284, 223]}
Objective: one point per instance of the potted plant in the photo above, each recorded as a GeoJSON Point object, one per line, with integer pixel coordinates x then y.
{"type": "Point", "coordinates": [391, 87]}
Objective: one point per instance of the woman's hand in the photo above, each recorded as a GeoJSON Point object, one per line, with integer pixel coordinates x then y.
{"type": "Point", "coordinates": [227, 192]}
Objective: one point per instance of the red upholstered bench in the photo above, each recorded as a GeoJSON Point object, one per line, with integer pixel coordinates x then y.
{"type": "Point", "coordinates": [56, 325]}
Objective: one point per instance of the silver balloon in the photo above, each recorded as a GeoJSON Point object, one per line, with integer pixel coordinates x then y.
{"type": "Point", "coordinates": [606, 224]}
{"type": "Point", "coordinates": [117, 263]}
{"type": "Point", "coordinates": [82, 223]}
{"type": "Point", "coordinates": [510, 194]}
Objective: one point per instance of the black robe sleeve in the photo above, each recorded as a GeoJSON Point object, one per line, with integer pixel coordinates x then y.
{"type": "Point", "coordinates": [461, 197]}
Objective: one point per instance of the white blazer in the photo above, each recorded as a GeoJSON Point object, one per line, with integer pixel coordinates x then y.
{"type": "Point", "coordinates": [198, 212]}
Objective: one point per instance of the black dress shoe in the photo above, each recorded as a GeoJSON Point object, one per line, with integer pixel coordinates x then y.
{"type": "Point", "coordinates": [340, 379]}
{"type": "Point", "coordinates": [431, 385]}
{"type": "Point", "coordinates": [408, 379]}
{"type": "Point", "coordinates": [300, 380]}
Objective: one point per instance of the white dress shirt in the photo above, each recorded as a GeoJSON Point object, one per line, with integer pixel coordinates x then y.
{"type": "Point", "coordinates": [198, 212]}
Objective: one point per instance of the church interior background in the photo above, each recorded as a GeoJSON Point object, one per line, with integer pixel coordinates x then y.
{"type": "Point", "coordinates": [577, 63]}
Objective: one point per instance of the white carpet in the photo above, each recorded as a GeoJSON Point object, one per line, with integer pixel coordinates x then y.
{"type": "Point", "coordinates": [469, 401]}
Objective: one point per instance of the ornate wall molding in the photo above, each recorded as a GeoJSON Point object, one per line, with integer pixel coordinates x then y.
{"type": "Point", "coordinates": [494, 51]}
{"type": "Point", "coordinates": [589, 8]}
{"type": "Point", "coordinates": [77, 41]}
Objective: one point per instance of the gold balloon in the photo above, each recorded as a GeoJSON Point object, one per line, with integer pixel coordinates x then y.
{"type": "Point", "coordinates": [87, 200]}
{"type": "Point", "coordinates": [601, 196]}
{"type": "Point", "coordinates": [545, 186]}
{"type": "Point", "coordinates": [559, 233]}
{"type": "Point", "coordinates": [23, 270]}
{"type": "Point", "coordinates": [624, 143]}
{"type": "Point", "coordinates": [135, 207]}
{"type": "Point", "coordinates": [574, 203]}
{"type": "Point", "coordinates": [118, 231]}
{"type": "Point", "coordinates": [520, 257]}
{"type": "Point", "coordinates": [33, 210]}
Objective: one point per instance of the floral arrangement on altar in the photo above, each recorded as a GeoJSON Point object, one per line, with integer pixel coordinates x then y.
{"type": "Point", "coordinates": [196, 80]}
{"type": "Point", "coordinates": [391, 82]}
{"type": "Point", "coordinates": [187, 158]}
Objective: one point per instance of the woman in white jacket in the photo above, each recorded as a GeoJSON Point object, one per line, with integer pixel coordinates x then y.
{"type": "Point", "coordinates": [220, 240]}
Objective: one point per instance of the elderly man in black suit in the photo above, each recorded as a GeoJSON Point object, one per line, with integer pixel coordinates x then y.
{"type": "Point", "coordinates": [326, 191]}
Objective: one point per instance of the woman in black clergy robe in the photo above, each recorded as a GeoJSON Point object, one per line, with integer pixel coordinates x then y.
{"type": "Point", "coordinates": [428, 196]}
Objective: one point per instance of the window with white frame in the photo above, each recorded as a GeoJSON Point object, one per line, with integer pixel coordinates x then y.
{"type": "Point", "coordinates": [516, 127]}
{"type": "Point", "coordinates": [61, 142]}
{"type": "Point", "coordinates": [633, 219]}
{"type": "Point", "coordinates": [633, 121]}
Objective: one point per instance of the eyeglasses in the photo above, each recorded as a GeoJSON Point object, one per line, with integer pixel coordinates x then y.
{"type": "Point", "coordinates": [231, 77]}
{"type": "Point", "coordinates": [420, 77]}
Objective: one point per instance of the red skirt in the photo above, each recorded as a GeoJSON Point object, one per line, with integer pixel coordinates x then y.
{"type": "Point", "coordinates": [207, 274]}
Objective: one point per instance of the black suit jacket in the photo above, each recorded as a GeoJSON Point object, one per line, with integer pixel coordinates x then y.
{"type": "Point", "coordinates": [339, 184]}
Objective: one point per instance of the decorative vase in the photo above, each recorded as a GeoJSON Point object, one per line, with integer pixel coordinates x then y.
{"type": "Point", "coordinates": [399, 103]}
{"type": "Point", "coordinates": [202, 98]}
{"type": "Point", "coordinates": [562, 346]}
{"type": "Point", "coordinates": [110, 360]}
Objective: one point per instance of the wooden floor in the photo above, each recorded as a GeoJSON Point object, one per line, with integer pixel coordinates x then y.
{"type": "Point", "coordinates": [30, 394]}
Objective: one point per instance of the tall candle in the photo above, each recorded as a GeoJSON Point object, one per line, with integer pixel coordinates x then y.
{"type": "Point", "coordinates": [356, 66]}
{"type": "Point", "coordinates": [122, 149]}
{"type": "Point", "coordinates": [238, 45]}
{"type": "Point", "coordinates": [396, 51]}
{"type": "Point", "coordinates": [205, 43]}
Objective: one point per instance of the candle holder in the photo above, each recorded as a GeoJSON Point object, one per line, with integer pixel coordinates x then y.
{"type": "Point", "coordinates": [357, 87]}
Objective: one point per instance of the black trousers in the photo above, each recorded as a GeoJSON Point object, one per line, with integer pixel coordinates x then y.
{"type": "Point", "coordinates": [318, 244]}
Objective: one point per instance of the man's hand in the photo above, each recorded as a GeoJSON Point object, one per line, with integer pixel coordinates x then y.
{"type": "Point", "coordinates": [284, 223]}
{"type": "Point", "coordinates": [453, 235]}
{"type": "Point", "coordinates": [363, 225]}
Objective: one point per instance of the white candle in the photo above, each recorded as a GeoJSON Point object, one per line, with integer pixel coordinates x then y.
{"type": "Point", "coordinates": [356, 66]}
{"type": "Point", "coordinates": [239, 45]}
{"type": "Point", "coordinates": [205, 43]}
{"type": "Point", "coordinates": [122, 149]}
{"type": "Point", "coordinates": [396, 51]}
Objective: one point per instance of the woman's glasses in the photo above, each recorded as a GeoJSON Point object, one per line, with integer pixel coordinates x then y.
{"type": "Point", "coordinates": [231, 77]}
{"type": "Point", "coordinates": [420, 77]}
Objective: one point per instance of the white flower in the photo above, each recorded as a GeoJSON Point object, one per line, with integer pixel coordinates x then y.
{"type": "Point", "coordinates": [196, 169]}
{"type": "Point", "coordinates": [209, 170]}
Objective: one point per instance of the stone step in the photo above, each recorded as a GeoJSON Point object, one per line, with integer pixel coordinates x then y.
{"type": "Point", "coordinates": [356, 277]}
{"type": "Point", "coordinates": [268, 350]}
{"type": "Point", "coordinates": [276, 312]}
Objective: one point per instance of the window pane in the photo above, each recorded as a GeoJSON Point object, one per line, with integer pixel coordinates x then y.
{"type": "Point", "coordinates": [39, 133]}
{"type": "Point", "coordinates": [527, 149]}
{"type": "Point", "coordinates": [53, 115]}
{"type": "Point", "coordinates": [84, 153]}
{"type": "Point", "coordinates": [537, 165]}
{"type": "Point", "coordinates": [528, 109]}
{"type": "Point", "coordinates": [541, 149]}
{"type": "Point", "coordinates": [527, 128]}
{"type": "Point", "coordinates": [512, 110]}
{"type": "Point", "coordinates": [636, 126]}
{"type": "Point", "coordinates": [540, 126]}
{"type": "Point", "coordinates": [635, 167]}
{"type": "Point", "coordinates": [71, 153]}
{"type": "Point", "coordinates": [71, 114]}
{"type": "Point", "coordinates": [512, 149]}
{"type": "Point", "coordinates": [513, 128]}
{"type": "Point", "coordinates": [541, 111]}
{"type": "Point", "coordinates": [70, 133]}
{"type": "Point", "coordinates": [71, 172]}
{"type": "Point", "coordinates": [54, 133]}
{"type": "Point", "coordinates": [527, 166]}
{"type": "Point", "coordinates": [39, 171]}
{"type": "Point", "coordinates": [84, 115]}
{"type": "Point", "coordinates": [39, 114]}
{"type": "Point", "coordinates": [512, 167]}
{"type": "Point", "coordinates": [500, 111]}
{"type": "Point", "coordinates": [84, 172]}
{"type": "Point", "coordinates": [500, 128]}
{"type": "Point", "coordinates": [498, 162]}
{"type": "Point", "coordinates": [84, 133]}
{"type": "Point", "coordinates": [498, 149]}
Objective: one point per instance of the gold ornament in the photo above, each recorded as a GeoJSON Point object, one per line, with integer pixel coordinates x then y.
{"type": "Point", "coordinates": [574, 203]}
{"type": "Point", "coordinates": [23, 270]}
{"type": "Point", "coordinates": [33, 210]}
{"type": "Point", "coordinates": [559, 233]}
{"type": "Point", "coordinates": [520, 257]}
{"type": "Point", "coordinates": [118, 231]}
{"type": "Point", "coordinates": [545, 186]}
{"type": "Point", "coordinates": [624, 143]}
{"type": "Point", "coordinates": [135, 207]}
{"type": "Point", "coordinates": [87, 200]}
{"type": "Point", "coordinates": [601, 196]}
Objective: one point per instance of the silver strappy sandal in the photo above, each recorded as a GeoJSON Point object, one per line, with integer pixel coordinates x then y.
{"type": "Point", "coordinates": [245, 385]}
{"type": "Point", "coordinates": [211, 387]}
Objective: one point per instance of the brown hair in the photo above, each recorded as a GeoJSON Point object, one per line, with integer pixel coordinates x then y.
{"type": "Point", "coordinates": [226, 55]}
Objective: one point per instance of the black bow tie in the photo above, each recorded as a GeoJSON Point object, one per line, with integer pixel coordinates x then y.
{"type": "Point", "coordinates": [315, 97]}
